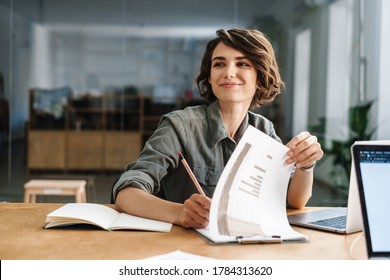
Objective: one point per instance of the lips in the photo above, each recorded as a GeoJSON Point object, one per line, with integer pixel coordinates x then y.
{"type": "Point", "coordinates": [229, 84]}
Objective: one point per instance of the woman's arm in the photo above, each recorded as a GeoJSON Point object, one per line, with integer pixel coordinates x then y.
{"type": "Point", "coordinates": [304, 151]}
{"type": "Point", "coordinates": [300, 189]}
{"type": "Point", "coordinates": [158, 157]}
{"type": "Point", "coordinates": [193, 213]}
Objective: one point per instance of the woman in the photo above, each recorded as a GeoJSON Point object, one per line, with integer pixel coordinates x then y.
{"type": "Point", "coordinates": [238, 72]}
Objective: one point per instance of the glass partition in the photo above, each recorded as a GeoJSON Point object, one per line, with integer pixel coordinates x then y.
{"type": "Point", "coordinates": [83, 84]}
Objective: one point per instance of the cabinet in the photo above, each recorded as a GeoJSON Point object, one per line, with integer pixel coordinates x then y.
{"type": "Point", "coordinates": [84, 150]}
{"type": "Point", "coordinates": [120, 147]}
{"type": "Point", "coordinates": [89, 133]}
{"type": "Point", "coordinates": [46, 149]}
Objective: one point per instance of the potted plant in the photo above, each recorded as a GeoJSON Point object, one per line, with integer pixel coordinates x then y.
{"type": "Point", "coordinates": [339, 150]}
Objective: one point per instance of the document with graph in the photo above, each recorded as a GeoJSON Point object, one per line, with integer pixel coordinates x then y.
{"type": "Point", "coordinates": [249, 203]}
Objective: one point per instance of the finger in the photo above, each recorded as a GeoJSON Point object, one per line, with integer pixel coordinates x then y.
{"type": "Point", "coordinates": [197, 207]}
{"type": "Point", "coordinates": [309, 156]}
{"type": "Point", "coordinates": [297, 139]}
{"type": "Point", "coordinates": [204, 201]}
{"type": "Point", "coordinates": [192, 219]}
{"type": "Point", "coordinates": [190, 223]}
{"type": "Point", "coordinates": [196, 211]}
{"type": "Point", "coordinates": [300, 145]}
{"type": "Point", "coordinates": [303, 146]}
{"type": "Point", "coordinates": [306, 163]}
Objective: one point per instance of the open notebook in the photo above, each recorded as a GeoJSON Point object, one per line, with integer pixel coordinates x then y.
{"type": "Point", "coordinates": [249, 202]}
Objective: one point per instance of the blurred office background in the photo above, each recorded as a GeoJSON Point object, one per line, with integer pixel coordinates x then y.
{"type": "Point", "coordinates": [83, 83]}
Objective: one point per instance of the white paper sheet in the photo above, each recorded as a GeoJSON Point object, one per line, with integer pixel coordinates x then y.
{"type": "Point", "coordinates": [250, 197]}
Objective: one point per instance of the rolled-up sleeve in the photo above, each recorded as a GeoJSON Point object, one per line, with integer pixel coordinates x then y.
{"type": "Point", "coordinates": [157, 158]}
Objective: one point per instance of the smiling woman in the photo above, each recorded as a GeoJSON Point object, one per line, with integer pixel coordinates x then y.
{"type": "Point", "coordinates": [232, 77]}
{"type": "Point", "coordinates": [253, 51]}
{"type": "Point", "coordinates": [207, 135]}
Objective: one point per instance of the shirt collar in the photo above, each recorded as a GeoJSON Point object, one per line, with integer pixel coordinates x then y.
{"type": "Point", "coordinates": [242, 129]}
{"type": "Point", "coordinates": [218, 131]}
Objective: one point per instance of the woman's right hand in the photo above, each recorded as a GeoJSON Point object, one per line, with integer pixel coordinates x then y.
{"type": "Point", "coordinates": [196, 211]}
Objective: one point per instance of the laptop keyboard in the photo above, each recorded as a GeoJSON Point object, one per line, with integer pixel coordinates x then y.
{"type": "Point", "coordinates": [335, 222]}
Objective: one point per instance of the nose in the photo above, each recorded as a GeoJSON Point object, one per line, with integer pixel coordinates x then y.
{"type": "Point", "coordinates": [230, 72]}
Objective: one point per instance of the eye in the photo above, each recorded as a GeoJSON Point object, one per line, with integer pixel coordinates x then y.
{"type": "Point", "coordinates": [218, 64]}
{"type": "Point", "coordinates": [244, 64]}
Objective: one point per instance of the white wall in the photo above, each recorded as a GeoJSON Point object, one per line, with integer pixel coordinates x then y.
{"type": "Point", "coordinates": [384, 72]}
{"type": "Point", "coordinates": [317, 22]}
{"type": "Point", "coordinates": [95, 63]}
{"type": "Point", "coordinates": [339, 70]}
{"type": "Point", "coordinates": [301, 81]}
{"type": "Point", "coordinates": [376, 43]}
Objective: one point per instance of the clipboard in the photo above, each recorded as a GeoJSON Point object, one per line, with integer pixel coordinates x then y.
{"type": "Point", "coordinates": [206, 235]}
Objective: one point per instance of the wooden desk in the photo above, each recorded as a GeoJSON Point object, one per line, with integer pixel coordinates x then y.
{"type": "Point", "coordinates": [23, 238]}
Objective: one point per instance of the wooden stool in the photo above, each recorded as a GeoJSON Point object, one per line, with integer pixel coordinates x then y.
{"type": "Point", "coordinates": [55, 187]}
{"type": "Point", "coordinates": [90, 187]}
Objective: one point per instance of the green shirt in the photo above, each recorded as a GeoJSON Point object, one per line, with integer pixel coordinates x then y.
{"type": "Point", "coordinates": [198, 132]}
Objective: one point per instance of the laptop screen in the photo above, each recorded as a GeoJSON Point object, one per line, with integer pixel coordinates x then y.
{"type": "Point", "coordinates": [372, 164]}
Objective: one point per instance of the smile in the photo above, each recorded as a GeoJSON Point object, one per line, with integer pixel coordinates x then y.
{"type": "Point", "coordinates": [229, 84]}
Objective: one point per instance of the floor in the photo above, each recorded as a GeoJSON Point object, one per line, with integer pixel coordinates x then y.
{"type": "Point", "coordinates": [13, 175]}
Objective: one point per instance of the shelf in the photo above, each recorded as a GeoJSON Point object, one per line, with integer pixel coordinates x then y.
{"type": "Point", "coordinates": [94, 133]}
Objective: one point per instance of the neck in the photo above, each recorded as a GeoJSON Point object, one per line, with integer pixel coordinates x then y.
{"type": "Point", "coordinates": [232, 117]}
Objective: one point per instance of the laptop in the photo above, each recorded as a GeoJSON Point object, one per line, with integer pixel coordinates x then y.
{"type": "Point", "coordinates": [372, 164]}
{"type": "Point", "coordinates": [343, 220]}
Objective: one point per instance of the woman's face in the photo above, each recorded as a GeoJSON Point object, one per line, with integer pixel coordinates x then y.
{"type": "Point", "coordinates": [232, 76]}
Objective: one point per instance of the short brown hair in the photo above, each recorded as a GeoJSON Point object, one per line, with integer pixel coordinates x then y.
{"type": "Point", "coordinates": [259, 51]}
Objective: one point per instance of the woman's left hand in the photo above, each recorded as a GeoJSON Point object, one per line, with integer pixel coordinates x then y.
{"type": "Point", "coordinates": [304, 150]}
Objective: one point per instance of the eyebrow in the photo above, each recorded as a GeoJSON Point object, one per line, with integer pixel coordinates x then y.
{"type": "Point", "coordinates": [223, 58]}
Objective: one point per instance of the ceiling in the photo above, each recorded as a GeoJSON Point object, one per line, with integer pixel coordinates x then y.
{"type": "Point", "coordinates": [170, 17]}
{"type": "Point", "coordinates": [144, 12]}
